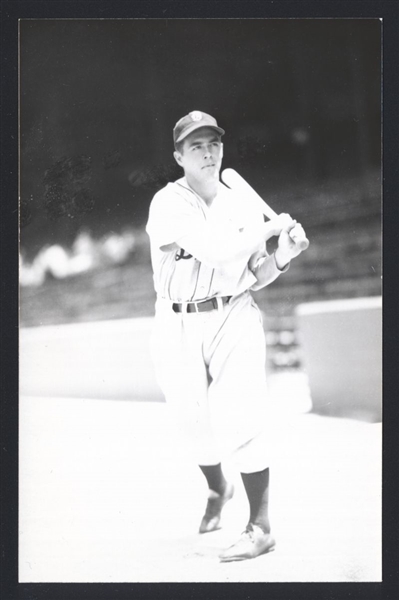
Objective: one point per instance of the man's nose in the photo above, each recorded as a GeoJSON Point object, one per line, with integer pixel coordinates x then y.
{"type": "Point", "coordinates": [208, 151]}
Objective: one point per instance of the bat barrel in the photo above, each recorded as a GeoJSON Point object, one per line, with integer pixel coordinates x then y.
{"type": "Point", "coordinates": [234, 181]}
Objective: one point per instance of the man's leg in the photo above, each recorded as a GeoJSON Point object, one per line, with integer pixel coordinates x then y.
{"type": "Point", "coordinates": [181, 372]}
{"type": "Point", "coordinates": [214, 477]}
{"type": "Point", "coordinates": [257, 489]}
{"type": "Point", "coordinates": [220, 491]}
{"type": "Point", "coordinates": [238, 400]}
{"type": "Point", "coordinates": [256, 539]}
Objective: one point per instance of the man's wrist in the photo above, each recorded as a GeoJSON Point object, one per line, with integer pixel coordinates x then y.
{"type": "Point", "coordinates": [281, 260]}
{"type": "Point", "coordinates": [268, 230]}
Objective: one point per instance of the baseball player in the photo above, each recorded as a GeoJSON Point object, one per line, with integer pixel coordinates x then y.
{"type": "Point", "coordinates": [208, 251]}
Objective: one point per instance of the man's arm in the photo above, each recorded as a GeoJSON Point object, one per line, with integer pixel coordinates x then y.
{"type": "Point", "coordinates": [269, 268]}
{"type": "Point", "coordinates": [266, 270]}
{"type": "Point", "coordinates": [217, 248]}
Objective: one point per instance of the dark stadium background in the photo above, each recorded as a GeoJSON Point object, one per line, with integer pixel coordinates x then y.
{"type": "Point", "coordinates": [300, 101]}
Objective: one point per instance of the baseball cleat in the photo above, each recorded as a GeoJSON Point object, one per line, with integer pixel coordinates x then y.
{"type": "Point", "coordinates": [212, 517]}
{"type": "Point", "coordinates": [252, 543]}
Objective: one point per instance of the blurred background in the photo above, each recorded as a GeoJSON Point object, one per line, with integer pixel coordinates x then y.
{"type": "Point", "coordinates": [300, 103]}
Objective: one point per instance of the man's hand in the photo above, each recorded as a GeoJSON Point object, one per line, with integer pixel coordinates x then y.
{"type": "Point", "coordinates": [287, 248]}
{"type": "Point", "coordinates": [283, 222]}
{"type": "Point", "coordinates": [279, 223]}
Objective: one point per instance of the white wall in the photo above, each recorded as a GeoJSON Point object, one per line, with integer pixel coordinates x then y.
{"type": "Point", "coordinates": [106, 359]}
{"type": "Point", "coordinates": [341, 341]}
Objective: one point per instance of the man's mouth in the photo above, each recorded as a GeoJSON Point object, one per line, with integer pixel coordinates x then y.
{"type": "Point", "coordinates": [207, 166]}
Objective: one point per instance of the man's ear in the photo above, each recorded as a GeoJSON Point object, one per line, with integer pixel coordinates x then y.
{"type": "Point", "coordinates": [177, 157]}
{"type": "Point", "coordinates": [221, 149]}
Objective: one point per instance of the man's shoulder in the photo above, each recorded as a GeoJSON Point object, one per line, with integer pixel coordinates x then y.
{"type": "Point", "coordinates": [174, 192]}
{"type": "Point", "coordinates": [171, 188]}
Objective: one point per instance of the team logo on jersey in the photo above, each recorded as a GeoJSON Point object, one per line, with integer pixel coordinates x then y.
{"type": "Point", "coordinates": [196, 115]}
{"type": "Point", "coordinates": [181, 255]}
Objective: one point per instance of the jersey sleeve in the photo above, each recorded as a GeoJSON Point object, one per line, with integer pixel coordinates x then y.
{"type": "Point", "coordinates": [266, 270]}
{"type": "Point", "coordinates": [171, 217]}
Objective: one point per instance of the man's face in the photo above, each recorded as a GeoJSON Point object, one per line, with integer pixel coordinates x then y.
{"type": "Point", "coordinates": [201, 155]}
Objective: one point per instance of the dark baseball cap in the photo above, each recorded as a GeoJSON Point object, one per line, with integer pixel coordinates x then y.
{"type": "Point", "coordinates": [194, 120]}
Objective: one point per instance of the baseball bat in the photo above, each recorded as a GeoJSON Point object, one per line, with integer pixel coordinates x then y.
{"type": "Point", "coordinates": [237, 183]}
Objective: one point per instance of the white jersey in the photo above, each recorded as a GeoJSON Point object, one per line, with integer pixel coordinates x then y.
{"type": "Point", "coordinates": [211, 364]}
{"type": "Point", "coordinates": [177, 210]}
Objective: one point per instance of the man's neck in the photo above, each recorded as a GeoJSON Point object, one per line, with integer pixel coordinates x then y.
{"type": "Point", "coordinates": [207, 191]}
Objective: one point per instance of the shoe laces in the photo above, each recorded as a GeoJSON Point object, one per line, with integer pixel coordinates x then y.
{"type": "Point", "coordinates": [250, 531]}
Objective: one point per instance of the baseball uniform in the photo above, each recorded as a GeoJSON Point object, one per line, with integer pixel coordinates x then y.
{"type": "Point", "coordinates": [210, 364]}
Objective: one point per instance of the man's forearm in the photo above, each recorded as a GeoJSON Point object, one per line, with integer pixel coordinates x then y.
{"type": "Point", "coordinates": [217, 249]}
{"type": "Point", "coordinates": [267, 271]}
{"type": "Point", "coordinates": [282, 259]}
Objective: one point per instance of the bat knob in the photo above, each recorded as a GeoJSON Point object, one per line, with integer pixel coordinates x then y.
{"type": "Point", "coordinates": [302, 242]}
{"type": "Point", "coordinates": [297, 234]}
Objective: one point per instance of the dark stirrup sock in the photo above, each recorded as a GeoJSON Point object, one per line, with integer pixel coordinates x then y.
{"type": "Point", "coordinates": [215, 478]}
{"type": "Point", "coordinates": [257, 489]}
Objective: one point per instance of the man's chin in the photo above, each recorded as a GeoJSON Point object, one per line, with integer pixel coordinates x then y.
{"type": "Point", "coordinates": [211, 172]}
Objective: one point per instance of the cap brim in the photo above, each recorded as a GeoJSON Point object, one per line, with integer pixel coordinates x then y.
{"type": "Point", "coordinates": [195, 126]}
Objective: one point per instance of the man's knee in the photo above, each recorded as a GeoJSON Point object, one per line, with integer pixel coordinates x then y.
{"type": "Point", "coordinates": [254, 455]}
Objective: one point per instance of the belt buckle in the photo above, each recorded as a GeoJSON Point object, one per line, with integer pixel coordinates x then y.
{"type": "Point", "coordinates": [216, 302]}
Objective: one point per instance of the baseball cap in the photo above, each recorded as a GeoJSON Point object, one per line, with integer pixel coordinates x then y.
{"type": "Point", "coordinates": [194, 120]}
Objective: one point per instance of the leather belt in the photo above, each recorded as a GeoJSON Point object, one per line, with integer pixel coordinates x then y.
{"type": "Point", "coordinates": [193, 307]}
